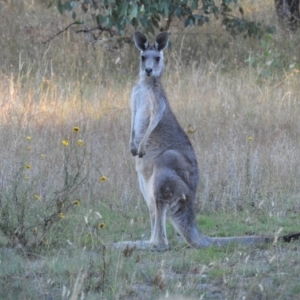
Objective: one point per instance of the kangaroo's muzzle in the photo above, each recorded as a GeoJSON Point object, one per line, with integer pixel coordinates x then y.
{"type": "Point", "coordinates": [148, 71]}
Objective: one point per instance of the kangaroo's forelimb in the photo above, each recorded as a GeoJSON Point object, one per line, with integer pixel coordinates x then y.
{"type": "Point", "coordinates": [157, 112]}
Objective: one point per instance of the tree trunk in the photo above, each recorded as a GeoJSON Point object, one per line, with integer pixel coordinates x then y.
{"type": "Point", "coordinates": [288, 12]}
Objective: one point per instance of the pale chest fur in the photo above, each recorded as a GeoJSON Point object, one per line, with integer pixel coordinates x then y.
{"type": "Point", "coordinates": [144, 106]}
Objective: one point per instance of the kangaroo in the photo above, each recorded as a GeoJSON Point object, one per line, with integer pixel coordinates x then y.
{"type": "Point", "coordinates": [165, 160]}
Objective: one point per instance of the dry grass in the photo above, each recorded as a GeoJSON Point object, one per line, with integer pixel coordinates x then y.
{"type": "Point", "coordinates": [247, 140]}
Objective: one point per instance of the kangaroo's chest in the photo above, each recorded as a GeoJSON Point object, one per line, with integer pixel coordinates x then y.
{"type": "Point", "coordinates": [144, 103]}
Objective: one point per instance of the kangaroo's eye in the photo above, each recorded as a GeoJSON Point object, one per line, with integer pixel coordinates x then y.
{"type": "Point", "coordinates": [157, 58]}
{"type": "Point", "coordinates": [143, 58]}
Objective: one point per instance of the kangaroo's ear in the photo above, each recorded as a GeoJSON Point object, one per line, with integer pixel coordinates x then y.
{"type": "Point", "coordinates": [161, 41]}
{"type": "Point", "coordinates": [140, 40]}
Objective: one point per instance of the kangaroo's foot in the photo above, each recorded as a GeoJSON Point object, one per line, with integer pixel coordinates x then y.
{"type": "Point", "coordinates": [139, 245]}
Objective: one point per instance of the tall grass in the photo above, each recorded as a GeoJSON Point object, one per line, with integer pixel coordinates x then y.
{"type": "Point", "coordinates": [239, 97]}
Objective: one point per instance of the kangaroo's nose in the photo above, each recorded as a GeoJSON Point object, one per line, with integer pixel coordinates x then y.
{"type": "Point", "coordinates": [148, 71]}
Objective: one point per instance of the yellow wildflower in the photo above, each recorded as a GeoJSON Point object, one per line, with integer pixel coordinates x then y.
{"type": "Point", "coordinates": [76, 129]}
{"type": "Point", "coordinates": [191, 129]}
{"type": "Point", "coordinates": [103, 178]}
{"type": "Point", "coordinates": [250, 138]}
{"type": "Point", "coordinates": [28, 148]}
{"type": "Point", "coordinates": [65, 142]}
{"type": "Point", "coordinates": [101, 225]}
{"type": "Point", "coordinates": [62, 215]}
{"type": "Point", "coordinates": [37, 197]}
{"type": "Point", "coordinates": [28, 138]}
{"type": "Point", "coordinates": [80, 142]}
{"type": "Point", "coordinates": [42, 156]}
{"type": "Point", "coordinates": [28, 166]}
{"type": "Point", "coordinates": [26, 177]}
{"type": "Point", "coordinates": [76, 202]}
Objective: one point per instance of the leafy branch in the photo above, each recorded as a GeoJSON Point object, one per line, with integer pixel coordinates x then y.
{"type": "Point", "coordinates": [114, 17]}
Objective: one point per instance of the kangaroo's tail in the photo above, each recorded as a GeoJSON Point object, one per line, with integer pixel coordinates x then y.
{"type": "Point", "coordinates": [198, 240]}
{"type": "Point", "coordinates": [253, 240]}
{"type": "Point", "coordinates": [242, 240]}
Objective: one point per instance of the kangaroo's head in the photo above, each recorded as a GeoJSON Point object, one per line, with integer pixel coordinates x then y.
{"type": "Point", "coordinates": [152, 60]}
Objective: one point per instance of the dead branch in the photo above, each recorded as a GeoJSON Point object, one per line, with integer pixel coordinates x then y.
{"type": "Point", "coordinates": [61, 31]}
{"type": "Point", "coordinates": [86, 31]}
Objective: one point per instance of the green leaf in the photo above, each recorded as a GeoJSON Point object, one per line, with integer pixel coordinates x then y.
{"type": "Point", "coordinates": [200, 19]}
{"type": "Point", "coordinates": [166, 10]}
{"type": "Point", "coordinates": [250, 60]}
{"type": "Point", "coordinates": [101, 19]}
{"type": "Point", "coordinates": [73, 4]}
{"type": "Point", "coordinates": [108, 22]}
{"type": "Point", "coordinates": [155, 23]}
{"type": "Point", "coordinates": [68, 6]}
{"type": "Point", "coordinates": [60, 7]}
{"type": "Point", "coordinates": [120, 10]}
{"type": "Point", "coordinates": [271, 29]}
{"type": "Point", "coordinates": [188, 21]}
{"type": "Point", "coordinates": [264, 45]}
{"type": "Point", "coordinates": [178, 12]}
{"type": "Point", "coordinates": [120, 25]}
{"type": "Point", "coordinates": [143, 20]}
{"type": "Point", "coordinates": [160, 7]}
{"type": "Point", "coordinates": [194, 5]}
{"type": "Point", "coordinates": [215, 10]}
{"type": "Point", "coordinates": [241, 11]}
{"type": "Point", "coordinates": [133, 12]}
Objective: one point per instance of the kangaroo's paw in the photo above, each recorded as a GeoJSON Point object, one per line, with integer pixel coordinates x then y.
{"type": "Point", "coordinates": [134, 151]}
{"type": "Point", "coordinates": [141, 151]}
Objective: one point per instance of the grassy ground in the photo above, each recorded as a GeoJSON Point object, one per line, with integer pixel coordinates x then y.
{"type": "Point", "coordinates": [68, 184]}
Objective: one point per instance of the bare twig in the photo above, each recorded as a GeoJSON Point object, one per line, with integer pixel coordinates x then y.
{"type": "Point", "coordinates": [61, 31]}
{"type": "Point", "coordinates": [169, 21]}
{"type": "Point", "coordinates": [99, 27]}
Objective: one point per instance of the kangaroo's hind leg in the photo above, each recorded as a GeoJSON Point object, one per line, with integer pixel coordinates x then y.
{"type": "Point", "coordinates": [159, 241]}
{"type": "Point", "coordinates": [175, 191]}
{"type": "Point", "coordinates": [183, 219]}
{"type": "Point", "coordinates": [169, 191]}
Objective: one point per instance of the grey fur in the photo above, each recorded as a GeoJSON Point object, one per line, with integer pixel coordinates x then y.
{"type": "Point", "coordinates": [166, 163]}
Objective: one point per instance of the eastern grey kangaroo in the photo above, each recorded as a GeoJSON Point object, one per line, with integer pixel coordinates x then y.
{"type": "Point", "coordinates": [166, 163]}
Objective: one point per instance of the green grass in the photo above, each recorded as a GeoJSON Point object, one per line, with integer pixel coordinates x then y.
{"type": "Point", "coordinates": [110, 273]}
